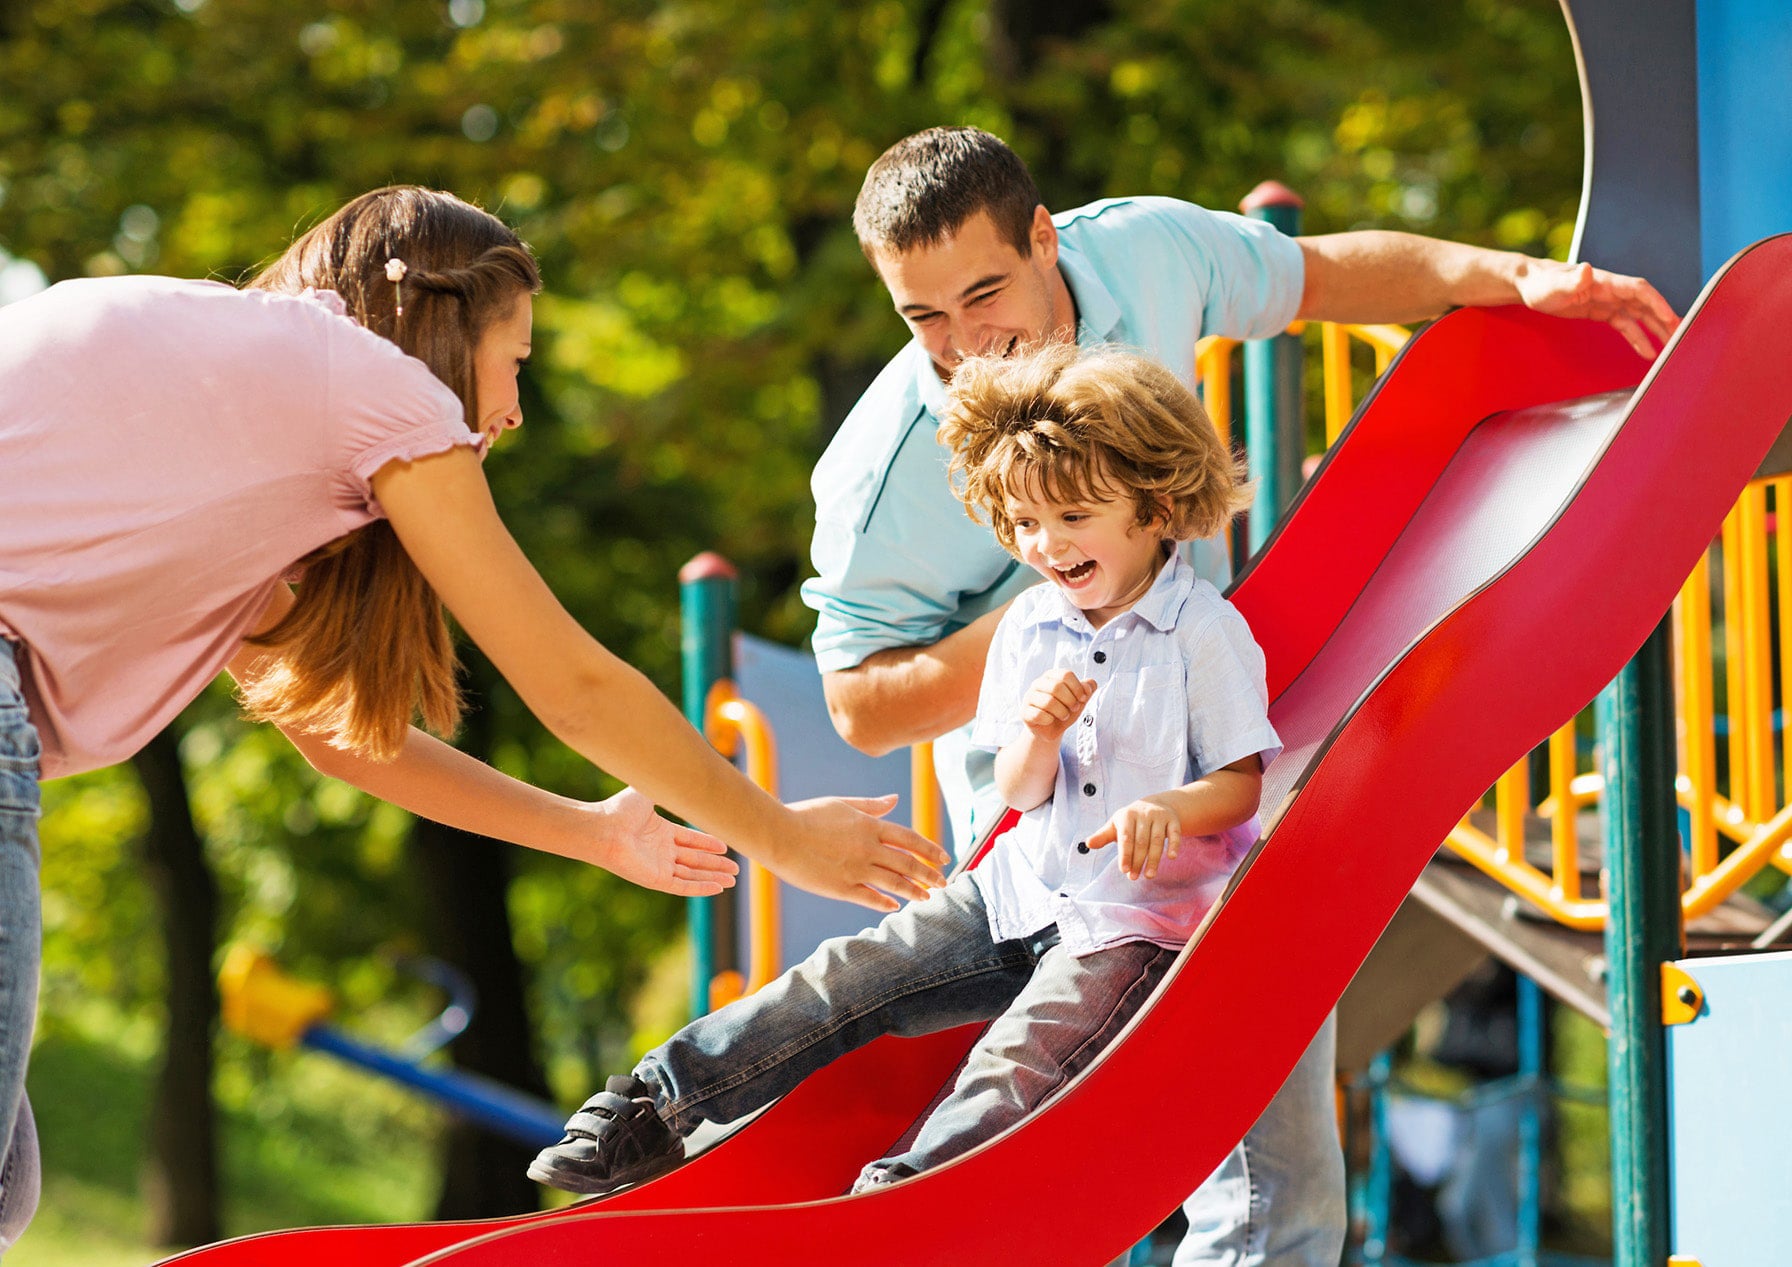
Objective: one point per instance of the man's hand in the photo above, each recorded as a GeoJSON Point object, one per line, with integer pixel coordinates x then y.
{"type": "Point", "coordinates": [1629, 304]}
{"type": "Point", "coordinates": [1147, 831]}
{"type": "Point", "coordinates": [1053, 703]}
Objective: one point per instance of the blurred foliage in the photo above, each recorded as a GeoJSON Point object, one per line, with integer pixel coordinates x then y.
{"type": "Point", "coordinates": [685, 171]}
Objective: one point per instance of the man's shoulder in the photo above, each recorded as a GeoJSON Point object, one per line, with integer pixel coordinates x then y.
{"type": "Point", "coordinates": [1136, 213]}
{"type": "Point", "coordinates": [859, 455]}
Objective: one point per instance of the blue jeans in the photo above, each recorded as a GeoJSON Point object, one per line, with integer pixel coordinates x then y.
{"type": "Point", "coordinates": [21, 937]}
{"type": "Point", "coordinates": [1278, 1198]}
{"type": "Point", "coordinates": [927, 967]}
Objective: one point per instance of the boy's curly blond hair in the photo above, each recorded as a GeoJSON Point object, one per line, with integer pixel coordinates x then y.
{"type": "Point", "coordinates": [1085, 427]}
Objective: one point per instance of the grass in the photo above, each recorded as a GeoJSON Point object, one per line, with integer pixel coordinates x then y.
{"type": "Point", "coordinates": [303, 1141]}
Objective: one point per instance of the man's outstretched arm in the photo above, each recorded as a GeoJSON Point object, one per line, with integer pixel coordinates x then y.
{"type": "Point", "coordinates": [1379, 276]}
{"type": "Point", "coordinates": [908, 695]}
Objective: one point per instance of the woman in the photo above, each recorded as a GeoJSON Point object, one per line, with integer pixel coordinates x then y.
{"type": "Point", "coordinates": [176, 452]}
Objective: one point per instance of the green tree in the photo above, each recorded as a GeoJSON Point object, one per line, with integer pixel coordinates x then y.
{"type": "Point", "coordinates": [686, 172]}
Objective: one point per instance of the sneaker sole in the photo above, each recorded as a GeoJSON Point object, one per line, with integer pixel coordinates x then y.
{"type": "Point", "coordinates": [547, 1170]}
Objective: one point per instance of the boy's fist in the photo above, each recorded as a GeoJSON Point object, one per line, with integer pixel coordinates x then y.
{"type": "Point", "coordinates": [1054, 702]}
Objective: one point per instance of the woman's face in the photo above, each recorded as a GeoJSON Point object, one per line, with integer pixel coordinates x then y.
{"type": "Point", "coordinates": [499, 356]}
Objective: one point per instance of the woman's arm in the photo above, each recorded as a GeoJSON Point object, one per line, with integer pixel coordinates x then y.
{"type": "Point", "coordinates": [442, 511]}
{"type": "Point", "coordinates": [428, 777]}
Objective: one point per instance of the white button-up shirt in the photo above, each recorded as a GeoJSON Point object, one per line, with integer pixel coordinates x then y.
{"type": "Point", "coordinates": [1179, 694]}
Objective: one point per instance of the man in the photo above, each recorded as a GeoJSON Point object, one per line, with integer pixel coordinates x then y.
{"type": "Point", "coordinates": [909, 590]}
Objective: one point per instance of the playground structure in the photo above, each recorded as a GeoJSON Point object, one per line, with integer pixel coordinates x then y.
{"type": "Point", "coordinates": [1504, 521]}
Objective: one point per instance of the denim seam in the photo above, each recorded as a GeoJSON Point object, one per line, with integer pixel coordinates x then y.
{"type": "Point", "coordinates": [1095, 1035]}
{"type": "Point", "coordinates": [839, 1020]}
{"type": "Point", "coordinates": [1253, 1198]}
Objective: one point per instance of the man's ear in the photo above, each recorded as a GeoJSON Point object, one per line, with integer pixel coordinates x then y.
{"type": "Point", "coordinates": [1044, 237]}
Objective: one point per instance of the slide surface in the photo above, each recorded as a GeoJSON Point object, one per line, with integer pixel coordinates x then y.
{"type": "Point", "coordinates": [1503, 524]}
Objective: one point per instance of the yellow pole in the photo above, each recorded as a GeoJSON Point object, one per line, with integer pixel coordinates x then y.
{"type": "Point", "coordinates": [1563, 835]}
{"type": "Point", "coordinates": [732, 720]}
{"type": "Point", "coordinates": [1757, 655]}
{"type": "Point", "coordinates": [1734, 694]}
{"type": "Point", "coordinates": [1334, 344]}
{"type": "Point", "coordinates": [1694, 610]}
{"type": "Point", "coordinates": [1511, 798]}
{"type": "Point", "coordinates": [924, 793]}
{"type": "Point", "coordinates": [1213, 367]}
{"type": "Point", "coordinates": [1782, 535]}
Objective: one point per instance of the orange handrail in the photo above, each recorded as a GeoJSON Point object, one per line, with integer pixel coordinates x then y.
{"type": "Point", "coordinates": [729, 721]}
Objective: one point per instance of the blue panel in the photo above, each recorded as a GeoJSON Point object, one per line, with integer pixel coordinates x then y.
{"type": "Point", "coordinates": [1745, 124]}
{"type": "Point", "coordinates": [1640, 211]}
{"type": "Point", "coordinates": [812, 761]}
{"type": "Point", "coordinates": [1729, 1117]}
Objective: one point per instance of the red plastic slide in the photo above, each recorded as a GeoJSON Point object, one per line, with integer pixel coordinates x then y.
{"type": "Point", "coordinates": [1501, 527]}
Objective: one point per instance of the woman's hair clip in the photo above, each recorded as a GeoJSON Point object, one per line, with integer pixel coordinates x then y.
{"type": "Point", "coordinates": [395, 271]}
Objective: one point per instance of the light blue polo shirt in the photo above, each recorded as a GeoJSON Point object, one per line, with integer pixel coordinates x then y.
{"type": "Point", "coordinates": [898, 561]}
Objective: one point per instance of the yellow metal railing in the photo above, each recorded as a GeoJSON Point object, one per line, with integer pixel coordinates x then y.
{"type": "Point", "coordinates": [729, 721]}
{"type": "Point", "coordinates": [925, 815]}
{"type": "Point", "coordinates": [1752, 562]}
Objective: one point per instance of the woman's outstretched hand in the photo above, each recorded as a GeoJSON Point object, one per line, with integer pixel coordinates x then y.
{"type": "Point", "coordinates": [844, 849]}
{"type": "Point", "coordinates": [656, 853]}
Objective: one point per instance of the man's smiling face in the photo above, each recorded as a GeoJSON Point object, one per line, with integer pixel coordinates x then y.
{"type": "Point", "coordinates": [973, 293]}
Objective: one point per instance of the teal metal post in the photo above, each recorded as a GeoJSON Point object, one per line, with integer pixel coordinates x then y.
{"type": "Point", "coordinates": [1533, 1085]}
{"type": "Point", "coordinates": [1642, 858]}
{"type": "Point", "coordinates": [706, 604]}
{"type": "Point", "coordinates": [1275, 435]}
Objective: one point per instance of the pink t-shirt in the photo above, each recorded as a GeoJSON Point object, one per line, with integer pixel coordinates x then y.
{"type": "Point", "coordinates": [168, 450]}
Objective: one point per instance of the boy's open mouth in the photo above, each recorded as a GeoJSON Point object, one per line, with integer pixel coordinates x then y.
{"type": "Point", "coordinates": [1078, 573]}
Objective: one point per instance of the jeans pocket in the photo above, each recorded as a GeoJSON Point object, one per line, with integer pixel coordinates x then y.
{"type": "Point", "coordinates": [19, 754]}
{"type": "Point", "coordinates": [20, 748]}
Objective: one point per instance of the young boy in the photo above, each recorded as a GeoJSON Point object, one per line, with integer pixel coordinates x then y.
{"type": "Point", "coordinates": [1126, 705]}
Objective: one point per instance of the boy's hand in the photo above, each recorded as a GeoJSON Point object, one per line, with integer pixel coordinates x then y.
{"type": "Point", "coordinates": [1054, 702]}
{"type": "Point", "coordinates": [1146, 832]}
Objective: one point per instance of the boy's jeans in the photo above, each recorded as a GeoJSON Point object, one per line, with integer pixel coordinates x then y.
{"type": "Point", "coordinates": [927, 967]}
{"type": "Point", "coordinates": [20, 942]}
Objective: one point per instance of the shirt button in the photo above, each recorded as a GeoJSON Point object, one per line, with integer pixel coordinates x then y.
{"type": "Point", "coordinates": [1088, 789]}
{"type": "Point", "coordinates": [1088, 720]}
{"type": "Point", "coordinates": [1101, 657]}
{"type": "Point", "coordinates": [1082, 846]}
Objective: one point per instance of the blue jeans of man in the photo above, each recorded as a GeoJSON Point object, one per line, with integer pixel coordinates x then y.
{"type": "Point", "coordinates": [21, 937]}
{"type": "Point", "coordinates": [927, 967]}
{"type": "Point", "coordinates": [1278, 1198]}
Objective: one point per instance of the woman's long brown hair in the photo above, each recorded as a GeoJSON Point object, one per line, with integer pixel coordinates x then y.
{"type": "Point", "coordinates": [366, 646]}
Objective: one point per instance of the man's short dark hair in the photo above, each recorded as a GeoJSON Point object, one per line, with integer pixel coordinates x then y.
{"type": "Point", "coordinates": [922, 189]}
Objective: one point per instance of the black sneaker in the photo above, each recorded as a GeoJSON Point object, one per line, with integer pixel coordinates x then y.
{"type": "Point", "coordinates": [614, 1139]}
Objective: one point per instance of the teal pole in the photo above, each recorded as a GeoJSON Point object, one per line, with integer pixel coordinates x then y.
{"type": "Point", "coordinates": [1275, 437]}
{"type": "Point", "coordinates": [706, 606]}
{"type": "Point", "coordinates": [1642, 858]}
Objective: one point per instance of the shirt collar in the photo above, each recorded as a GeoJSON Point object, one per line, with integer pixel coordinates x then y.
{"type": "Point", "coordinates": [1097, 315]}
{"type": "Point", "coordinates": [1159, 607]}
